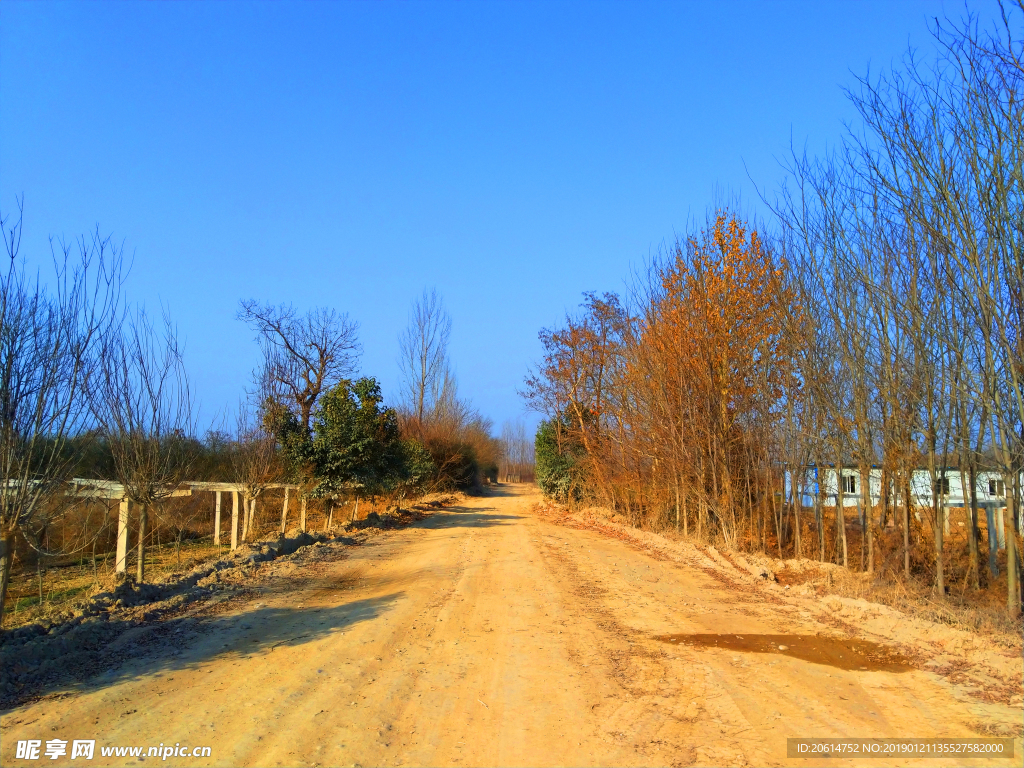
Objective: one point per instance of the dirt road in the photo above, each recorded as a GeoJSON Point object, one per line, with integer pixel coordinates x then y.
{"type": "Point", "coordinates": [487, 634]}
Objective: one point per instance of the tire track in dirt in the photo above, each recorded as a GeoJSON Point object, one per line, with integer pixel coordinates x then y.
{"type": "Point", "coordinates": [663, 708]}
{"type": "Point", "coordinates": [488, 635]}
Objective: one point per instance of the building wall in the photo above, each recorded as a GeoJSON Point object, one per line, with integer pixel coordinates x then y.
{"type": "Point", "coordinates": [822, 480]}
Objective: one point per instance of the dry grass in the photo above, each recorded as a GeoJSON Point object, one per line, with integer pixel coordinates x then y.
{"type": "Point", "coordinates": [63, 587]}
{"type": "Point", "coordinates": [980, 611]}
{"type": "Point", "coordinates": [995, 730]}
{"type": "Point", "coordinates": [53, 592]}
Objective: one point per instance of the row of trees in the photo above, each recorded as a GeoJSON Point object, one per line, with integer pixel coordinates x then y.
{"type": "Point", "coordinates": [431, 411]}
{"type": "Point", "coordinates": [91, 387]}
{"type": "Point", "coordinates": [874, 323]}
{"type": "Point", "coordinates": [86, 382]}
{"type": "Point", "coordinates": [518, 454]}
{"type": "Point", "coordinates": [337, 438]}
{"type": "Point", "coordinates": [47, 340]}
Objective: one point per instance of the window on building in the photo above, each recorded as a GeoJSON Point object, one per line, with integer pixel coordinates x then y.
{"type": "Point", "coordinates": [995, 488]}
{"type": "Point", "coordinates": [849, 483]}
{"type": "Point", "coordinates": [942, 486]}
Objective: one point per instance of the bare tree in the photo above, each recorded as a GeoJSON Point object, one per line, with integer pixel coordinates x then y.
{"type": "Point", "coordinates": [517, 453]}
{"type": "Point", "coordinates": [139, 395]}
{"type": "Point", "coordinates": [423, 357]}
{"type": "Point", "coordinates": [943, 150]}
{"type": "Point", "coordinates": [254, 461]}
{"type": "Point", "coordinates": [305, 355]}
{"type": "Point", "coordinates": [45, 339]}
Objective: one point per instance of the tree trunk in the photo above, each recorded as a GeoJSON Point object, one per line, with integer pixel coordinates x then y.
{"type": "Point", "coordinates": [1010, 526]}
{"type": "Point", "coordinates": [972, 523]}
{"type": "Point", "coordinates": [686, 526]}
{"type": "Point", "coordinates": [865, 495]}
{"type": "Point", "coordinates": [841, 516]}
{"type": "Point", "coordinates": [330, 514]}
{"type": "Point", "coordinates": [777, 521]}
{"type": "Point", "coordinates": [355, 509]}
{"type": "Point", "coordinates": [140, 575]}
{"type": "Point", "coordinates": [302, 515]}
{"type": "Point", "coordinates": [245, 517]}
{"type": "Point", "coordinates": [906, 524]}
{"type": "Point", "coordinates": [819, 521]}
{"type": "Point", "coordinates": [938, 512]}
{"type": "Point", "coordinates": [95, 569]}
{"type": "Point", "coordinates": [993, 542]}
{"type": "Point", "coordinates": [676, 480]}
{"type": "Point", "coordinates": [863, 537]}
{"type": "Point", "coordinates": [749, 502]}
{"type": "Point", "coordinates": [795, 490]}
{"type": "Point", "coordinates": [884, 500]}
{"type": "Point", "coordinates": [6, 559]}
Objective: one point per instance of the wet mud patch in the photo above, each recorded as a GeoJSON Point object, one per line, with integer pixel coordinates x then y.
{"type": "Point", "coordinates": [841, 653]}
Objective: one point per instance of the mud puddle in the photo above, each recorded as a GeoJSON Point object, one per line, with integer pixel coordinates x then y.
{"type": "Point", "coordinates": [832, 651]}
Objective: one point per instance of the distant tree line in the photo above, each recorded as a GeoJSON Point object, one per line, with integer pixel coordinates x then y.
{"type": "Point", "coordinates": [518, 457]}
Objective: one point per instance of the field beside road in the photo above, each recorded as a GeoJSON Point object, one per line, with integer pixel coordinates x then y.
{"type": "Point", "coordinates": [497, 632]}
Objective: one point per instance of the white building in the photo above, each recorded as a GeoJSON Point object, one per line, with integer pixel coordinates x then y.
{"type": "Point", "coordinates": [821, 482]}
{"type": "Point", "coordinates": [991, 490]}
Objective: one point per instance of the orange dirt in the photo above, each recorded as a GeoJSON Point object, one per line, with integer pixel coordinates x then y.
{"type": "Point", "coordinates": [491, 634]}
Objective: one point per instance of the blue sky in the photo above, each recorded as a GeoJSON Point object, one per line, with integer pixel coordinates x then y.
{"type": "Point", "coordinates": [512, 155]}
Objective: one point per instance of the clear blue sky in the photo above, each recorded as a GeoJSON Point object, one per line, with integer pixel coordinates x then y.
{"type": "Point", "coordinates": [350, 154]}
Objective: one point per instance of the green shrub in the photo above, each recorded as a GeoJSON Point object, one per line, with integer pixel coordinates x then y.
{"type": "Point", "coordinates": [561, 471]}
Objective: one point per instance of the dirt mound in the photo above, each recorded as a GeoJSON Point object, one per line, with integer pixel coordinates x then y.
{"type": "Point", "coordinates": [388, 520]}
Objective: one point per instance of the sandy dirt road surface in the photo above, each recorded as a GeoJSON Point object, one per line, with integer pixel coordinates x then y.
{"type": "Point", "coordinates": [488, 634]}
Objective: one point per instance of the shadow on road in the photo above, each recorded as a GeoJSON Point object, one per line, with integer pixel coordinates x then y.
{"type": "Point", "coordinates": [98, 653]}
{"type": "Point", "coordinates": [500, 490]}
{"type": "Point", "coordinates": [465, 517]}
{"type": "Point", "coordinates": [110, 652]}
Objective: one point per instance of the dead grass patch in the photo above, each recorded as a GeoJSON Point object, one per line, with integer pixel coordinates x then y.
{"type": "Point", "coordinates": [995, 730]}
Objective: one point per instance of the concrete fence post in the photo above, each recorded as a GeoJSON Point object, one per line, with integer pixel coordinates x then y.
{"type": "Point", "coordinates": [234, 520]}
{"type": "Point", "coordinates": [120, 563]}
{"type": "Point", "coordinates": [216, 521]}
{"type": "Point", "coordinates": [284, 511]}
